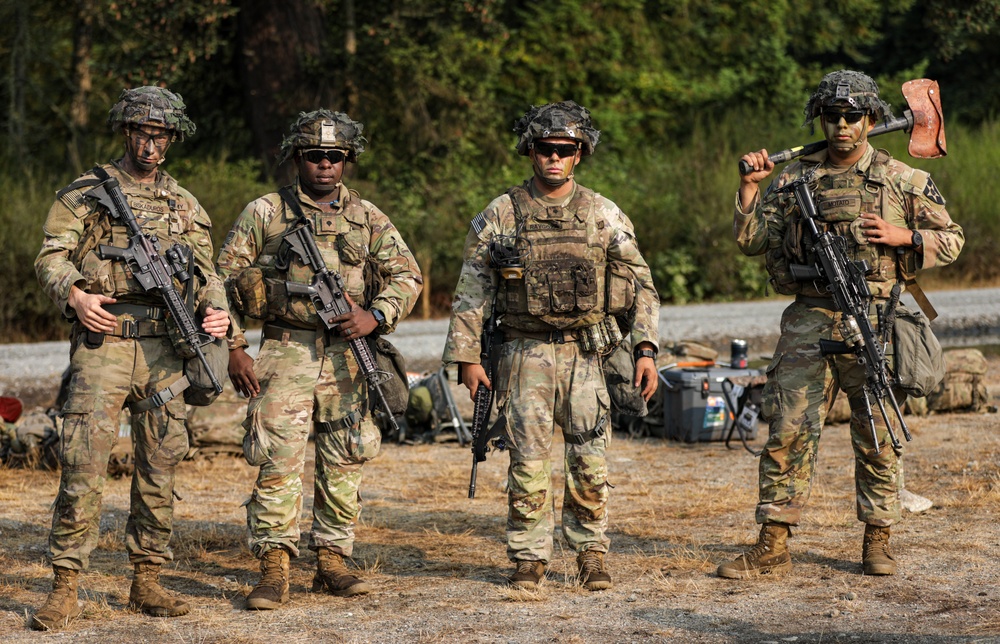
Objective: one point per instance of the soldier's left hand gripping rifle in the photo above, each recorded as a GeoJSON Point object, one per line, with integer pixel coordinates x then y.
{"type": "Point", "coordinates": [330, 299]}
{"type": "Point", "coordinates": [844, 279]}
{"type": "Point", "coordinates": [155, 271]}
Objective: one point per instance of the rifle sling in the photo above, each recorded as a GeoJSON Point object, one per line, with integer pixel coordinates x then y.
{"type": "Point", "coordinates": [918, 293]}
{"type": "Point", "coordinates": [292, 203]}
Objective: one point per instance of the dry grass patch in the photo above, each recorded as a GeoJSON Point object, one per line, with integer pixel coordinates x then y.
{"type": "Point", "coordinates": [438, 564]}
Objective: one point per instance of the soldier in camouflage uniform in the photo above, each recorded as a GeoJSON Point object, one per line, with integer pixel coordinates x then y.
{"type": "Point", "coordinates": [305, 377]}
{"type": "Point", "coordinates": [893, 217]}
{"type": "Point", "coordinates": [559, 262]}
{"type": "Point", "coordinates": [136, 359]}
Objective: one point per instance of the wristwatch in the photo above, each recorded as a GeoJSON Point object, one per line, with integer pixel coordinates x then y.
{"type": "Point", "coordinates": [378, 315]}
{"type": "Point", "coordinates": [917, 240]}
{"type": "Point", "coordinates": [645, 353]}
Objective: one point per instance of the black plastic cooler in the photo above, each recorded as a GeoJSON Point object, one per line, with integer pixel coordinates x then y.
{"type": "Point", "coordinates": [694, 409]}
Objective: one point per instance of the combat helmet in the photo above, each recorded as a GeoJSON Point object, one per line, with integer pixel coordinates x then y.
{"type": "Point", "coordinates": [845, 86]}
{"type": "Point", "coordinates": [565, 119]}
{"type": "Point", "coordinates": [154, 105]}
{"type": "Point", "coordinates": [324, 129]}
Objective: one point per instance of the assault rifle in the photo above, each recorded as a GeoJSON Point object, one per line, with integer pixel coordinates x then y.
{"type": "Point", "coordinates": [328, 295]}
{"type": "Point", "coordinates": [481, 436]}
{"type": "Point", "coordinates": [844, 279]}
{"type": "Point", "coordinates": [154, 273]}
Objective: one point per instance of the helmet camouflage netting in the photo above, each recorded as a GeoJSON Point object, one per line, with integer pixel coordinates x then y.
{"type": "Point", "coordinates": [154, 105]}
{"type": "Point", "coordinates": [324, 129]}
{"type": "Point", "coordinates": [855, 88]}
{"type": "Point", "coordinates": [564, 119]}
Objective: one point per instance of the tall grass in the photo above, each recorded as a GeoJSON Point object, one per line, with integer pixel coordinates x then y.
{"type": "Point", "coordinates": [678, 194]}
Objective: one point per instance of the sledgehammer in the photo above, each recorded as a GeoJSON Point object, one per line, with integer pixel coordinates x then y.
{"type": "Point", "coordinates": [924, 121]}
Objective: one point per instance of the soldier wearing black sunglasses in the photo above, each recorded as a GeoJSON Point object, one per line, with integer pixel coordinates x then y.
{"type": "Point", "coordinates": [887, 215]}
{"type": "Point", "coordinates": [305, 377]}
{"type": "Point", "coordinates": [561, 266]}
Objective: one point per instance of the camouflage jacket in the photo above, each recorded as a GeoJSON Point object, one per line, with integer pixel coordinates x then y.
{"type": "Point", "coordinates": [479, 280]}
{"type": "Point", "coordinates": [878, 184]}
{"type": "Point", "coordinates": [356, 232]}
{"type": "Point", "coordinates": [74, 228]}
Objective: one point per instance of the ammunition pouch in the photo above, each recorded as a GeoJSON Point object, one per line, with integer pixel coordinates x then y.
{"type": "Point", "coordinates": [256, 296]}
{"type": "Point", "coordinates": [555, 288]}
{"type": "Point", "coordinates": [619, 288]}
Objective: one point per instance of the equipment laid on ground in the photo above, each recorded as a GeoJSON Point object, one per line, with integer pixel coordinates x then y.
{"type": "Point", "coordinates": [432, 410]}
{"type": "Point", "coordinates": [694, 404]}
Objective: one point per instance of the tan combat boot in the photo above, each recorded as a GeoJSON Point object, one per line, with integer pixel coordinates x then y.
{"type": "Point", "coordinates": [528, 575]}
{"type": "Point", "coordinates": [61, 605]}
{"type": "Point", "coordinates": [150, 597]}
{"type": "Point", "coordinates": [272, 589]}
{"type": "Point", "coordinates": [332, 573]}
{"type": "Point", "coordinates": [593, 575]}
{"type": "Point", "coordinates": [769, 555]}
{"type": "Point", "coordinates": [875, 556]}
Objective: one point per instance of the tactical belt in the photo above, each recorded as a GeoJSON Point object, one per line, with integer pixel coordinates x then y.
{"type": "Point", "coordinates": [548, 337]}
{"type": "Point", "coordinates": [141, 321]}
{"type": "Point", "coordinates": [285, 333]}
{"type": "Point", "coordinates": [331, 426]}
{"type": "Point", "coordinates": [160, 398]}
{"type": "Point", "coordinates": [588, 436]}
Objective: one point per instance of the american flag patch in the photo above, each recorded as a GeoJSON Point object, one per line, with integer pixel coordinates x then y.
{"type": "Point", "coordinates": [479, 223]}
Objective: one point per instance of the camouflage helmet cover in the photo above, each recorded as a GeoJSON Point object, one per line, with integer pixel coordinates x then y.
{"type": "Point", "coordinates": [854, 88]}
{"type": "Point", "coordinates": [324, 129]}
{"type": "Point", "coordinates": [152, 105]}
{"type": "Point", "coordinates": [565, 119]}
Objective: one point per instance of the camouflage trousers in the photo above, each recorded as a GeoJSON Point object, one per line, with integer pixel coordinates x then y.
{"type": "Point", "coordinates": [801, 386]}
{"type": "Point", "coordinates": [300, 386]}
{"type": "Point", "coordinates": [541, 387]}
{"type": "Point", "coordinates": [102, 380]}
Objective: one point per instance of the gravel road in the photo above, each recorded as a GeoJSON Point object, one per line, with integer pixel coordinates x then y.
{"type": "Point", "coordinates": [967, 317]}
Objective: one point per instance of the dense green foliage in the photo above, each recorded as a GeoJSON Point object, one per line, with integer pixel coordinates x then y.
{"type": "Point", "coordinates": [679, 89]}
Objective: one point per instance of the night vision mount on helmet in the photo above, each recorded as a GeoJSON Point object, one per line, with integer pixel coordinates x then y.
{"type": "Point", "coordinates": [324, 129]}
{"type": "Point", "coordinates": [565, 119]}
{"type": "Point", "coordinates": [153, 105]}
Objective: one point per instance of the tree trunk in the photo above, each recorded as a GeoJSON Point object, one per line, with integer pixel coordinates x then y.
{"type": "Point", "coordinates": [17, 82]}
{"type": "Point", "coordinates": [279, 42]}
{"type": "Point", "coordinates": [79, 113]}
{"type": "Point", "coordinates": [350, 54]}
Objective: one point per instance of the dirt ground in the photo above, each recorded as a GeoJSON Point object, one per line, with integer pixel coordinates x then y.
{"type": "Point", "coordinates": [437, 559]}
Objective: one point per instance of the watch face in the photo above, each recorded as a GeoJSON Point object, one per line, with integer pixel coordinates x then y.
{"type": "Point", "coordinates": [918, 239]}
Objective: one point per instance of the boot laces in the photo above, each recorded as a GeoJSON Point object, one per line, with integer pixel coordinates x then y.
{"type": "Point", "coordinates": [591, 562]}
{"type": "Point", "coordinates": [759, 549]}
{"type": "Point", "coordinates": [878, 542]}
{"type": "Point", "coordinates": [273, 576]}
{"type": "Point", "coordinates": [526, 567]}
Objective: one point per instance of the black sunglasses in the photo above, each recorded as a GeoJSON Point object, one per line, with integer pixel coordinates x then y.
{"type": "Point", "coordinates": [834, 116]}
{"type": "Point", "coordinates": [317, 156]}
{"type": "Point", "coordinates": [563, 150]}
